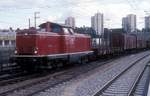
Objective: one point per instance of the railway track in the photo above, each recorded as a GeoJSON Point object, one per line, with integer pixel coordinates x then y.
{"type": "Point", "coordinates": [20, 78]}
{"type": "Point", "coordinates": [141, 87]}
{"type": "Point", "coordinates": [14, 76]}
{"type": "Point", "coordinates": [124, 84]}
{"type": "Point", "coordinates": [58, 75]}
{"type": "Point", "coordinates": [89, 83]}
{"type": "Point", "coordinates": [37, 85]}
{"type": "Point", "coordinates": [11, 71]}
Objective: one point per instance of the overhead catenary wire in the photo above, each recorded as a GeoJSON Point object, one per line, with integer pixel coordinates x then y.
{"type": "Point", "coordinates": [131, 5]}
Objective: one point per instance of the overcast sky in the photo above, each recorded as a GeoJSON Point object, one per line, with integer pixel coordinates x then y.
{"type": "Point", "coordinates": [15, 13]}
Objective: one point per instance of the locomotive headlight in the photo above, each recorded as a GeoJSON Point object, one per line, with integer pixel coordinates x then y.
{"type": "Point", "coordinates": [16, 52]}
{"type": "Point", "coordinates": [35, 51]}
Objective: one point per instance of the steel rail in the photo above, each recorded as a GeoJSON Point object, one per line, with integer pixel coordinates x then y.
{"type": "Point", "coordinates": [104, 87]}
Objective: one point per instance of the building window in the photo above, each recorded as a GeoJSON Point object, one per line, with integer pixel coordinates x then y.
{"type": "Point", "coordinates": [13, 42]}
{"type": "Point", "coordinates": [1, 43]}
{"type": "Point", "coordinates": [6, 42]}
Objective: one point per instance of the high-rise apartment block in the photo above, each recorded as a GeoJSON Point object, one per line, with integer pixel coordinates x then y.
{"type": "Point", "coordinates": [147, 23]}
{"type": "Point", "coordinates": [129, 23]}
{"type": "Point", "coordinates": [70, 21]}
{"type": "Point", "coordinates": [97, 23]}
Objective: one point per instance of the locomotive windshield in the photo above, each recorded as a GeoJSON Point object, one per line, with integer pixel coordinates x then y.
{"type": "Point", "coordinates": [51, 27]}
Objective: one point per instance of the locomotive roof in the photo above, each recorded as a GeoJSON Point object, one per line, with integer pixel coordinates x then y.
{"type": "Point", "coordinates": [43, 25]}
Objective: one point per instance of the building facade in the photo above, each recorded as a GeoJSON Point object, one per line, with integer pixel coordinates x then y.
{"type": "Point", "coordinates": [147, 23]}
{"type": "Point", "coordinates": [124, 24]}
{"type": "Point", "coordinates": [129, 23]}
{"type": "Point", "coordinates": [7, 39]}
{"type": "Point", "coordinates": [70, 21]}
{"type": "Point", "coordinates": [97, 23]}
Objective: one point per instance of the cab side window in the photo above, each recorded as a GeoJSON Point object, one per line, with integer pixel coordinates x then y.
{"type": "Point", "coordinates": [56, 28]}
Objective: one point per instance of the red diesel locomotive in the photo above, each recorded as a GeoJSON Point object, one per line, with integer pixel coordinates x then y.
{"type": "Point", "coordinates": [51, 45]}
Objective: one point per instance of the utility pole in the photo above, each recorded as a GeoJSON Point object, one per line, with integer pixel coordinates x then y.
{"type": "Point", "coordinates": [36, 17]}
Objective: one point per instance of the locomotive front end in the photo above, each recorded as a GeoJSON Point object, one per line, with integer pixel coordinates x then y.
{"type": "Point", "coordinates": [26, 43]}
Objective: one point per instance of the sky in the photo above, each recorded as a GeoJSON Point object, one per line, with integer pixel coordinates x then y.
{"type": "Point", "coordinates": [15, 13]}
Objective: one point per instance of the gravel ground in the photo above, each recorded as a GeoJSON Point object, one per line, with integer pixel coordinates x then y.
{"type": "Point", "coordinates": [69, 74]}
{"type": "Point", "coordinates": [51, 79]}
{"type": "Point", "coordinates": [89, 83]}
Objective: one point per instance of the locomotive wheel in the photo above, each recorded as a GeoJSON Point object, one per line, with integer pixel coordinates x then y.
{"type": "Point", "coordinates": [59, 64]}
{"type": "Point", "coordinates": [54, 65]}
{"type": "Point", "coordinates": [66, 63]}
{"type": "Point", "coordinates": [84, 60]}
{"type": "Point", "coordinates": [49, 65]}
{"type": "Point", "coordinates": [24, 67]}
